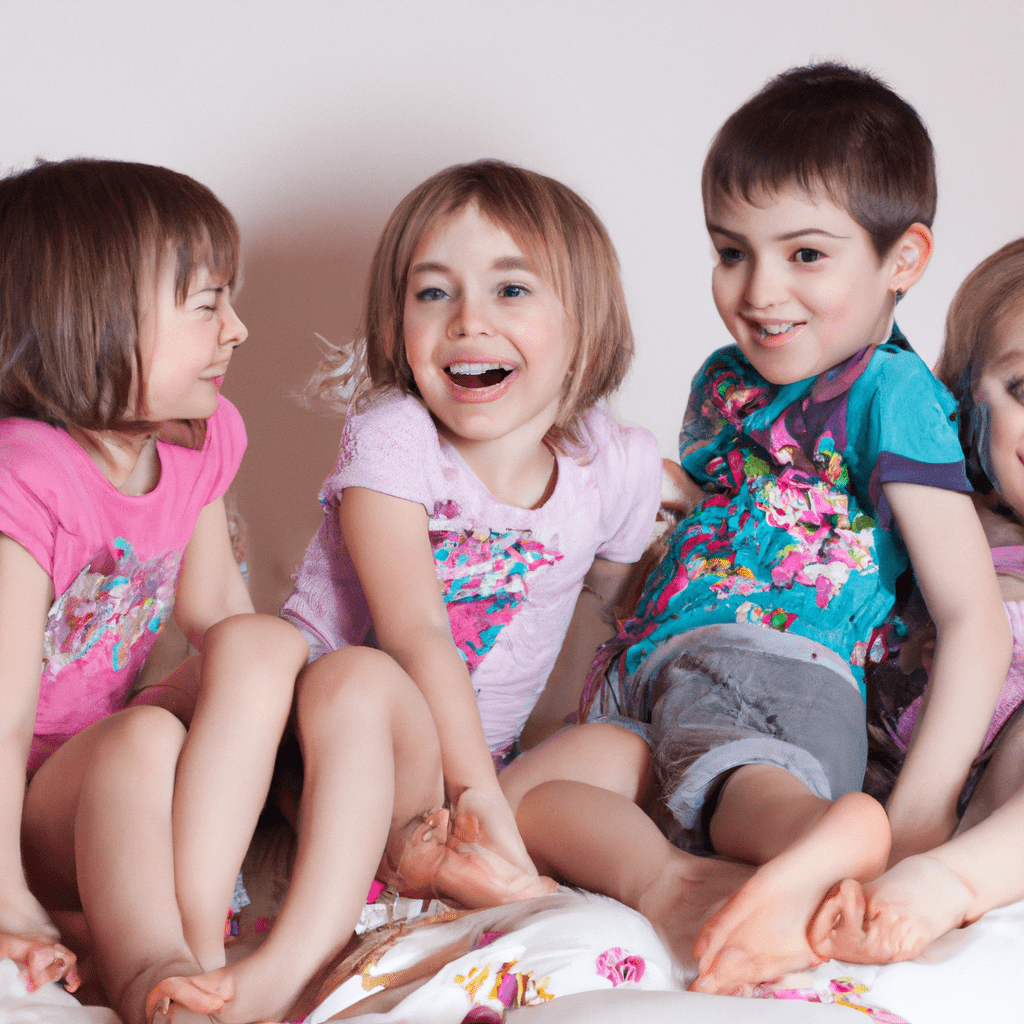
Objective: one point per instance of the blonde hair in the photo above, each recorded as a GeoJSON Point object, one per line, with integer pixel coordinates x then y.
{"type": "Point", "coordinates": [993, 289]}
{"type": "Point", "coordinates": [563, 238]}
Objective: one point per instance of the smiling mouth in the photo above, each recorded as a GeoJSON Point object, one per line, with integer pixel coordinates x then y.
{"type": "Point", "coordinates": [769, 330]}
{"type": "Point", "coordinates": [478, 375]}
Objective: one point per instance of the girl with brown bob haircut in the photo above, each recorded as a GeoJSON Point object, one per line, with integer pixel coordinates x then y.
{"type": "Point", "coordinates": [77, 241]}
{"type": "Point", "coordinates": [476, 484]}
{"type": "Point", "coordinates": [116, 329]}
{"type": "Point", "coordinates": [555, 228]}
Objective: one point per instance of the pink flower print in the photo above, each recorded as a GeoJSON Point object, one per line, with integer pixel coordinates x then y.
{"type": "Point", "coordinates": [445, 510]}
{"type": "Point", "coordinates": [618, 966]}
{"type": "Point", "coordinates": [483, 1015]}
{"type": "Point", "coordinates": [485, 580]}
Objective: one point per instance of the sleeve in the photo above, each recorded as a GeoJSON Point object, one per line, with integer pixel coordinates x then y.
{"type": "Point", "coordinates": [630, 466]}
{"type": "Point", "coordinates": [389, 448]}
{"type": "Point", "coordinates": [909, 439]}
{"type": "Point", "coordinates": [223, 449]}
{"type": "Point", "coordinates": [26, 504]}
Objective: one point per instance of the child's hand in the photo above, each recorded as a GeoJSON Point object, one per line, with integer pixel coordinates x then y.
{"type": "Point", "coordinates": [483, 816]}
{"type": "Point", "coordinates": [41, 960]}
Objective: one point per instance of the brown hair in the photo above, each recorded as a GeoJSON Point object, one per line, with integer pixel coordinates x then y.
{"type": "Point", "coordinates": [556, 229]}
{"type": "Point", "coordinates": [993, 289]}
{"type": "Point", "coordinates": [78, 240]}
{"type": "Point", "coordinates": [830, 127]}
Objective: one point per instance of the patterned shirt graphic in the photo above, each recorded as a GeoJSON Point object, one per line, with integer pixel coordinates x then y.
{"type": "Point", "coordinates": [795, 533]}
{"type": "Point", "coordinates": [510, 576]}
{"type": "Point", "coordinates": [114, 559]}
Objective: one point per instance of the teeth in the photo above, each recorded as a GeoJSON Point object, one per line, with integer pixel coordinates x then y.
{"type": "Point", "coordinates": [774, 329]}
{"type": "Point", "coordinates": [475, 369]}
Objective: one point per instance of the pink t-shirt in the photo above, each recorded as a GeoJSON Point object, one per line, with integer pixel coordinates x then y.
{"type": "Point", "coordinates": [510, 575]}
{"type": "Point", "coordinates": [113, 558]}
{"type": "Point", "coordinates": [1008, 559]}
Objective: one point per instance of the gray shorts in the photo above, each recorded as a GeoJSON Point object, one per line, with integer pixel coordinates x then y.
{"type": "Point", "coordinates": [727, 695]}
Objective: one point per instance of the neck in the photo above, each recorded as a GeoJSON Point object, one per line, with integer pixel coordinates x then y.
{"type": "Point", "coordinates": [523, 478]}
{"type": "Point", "coordinates": [128, 461]}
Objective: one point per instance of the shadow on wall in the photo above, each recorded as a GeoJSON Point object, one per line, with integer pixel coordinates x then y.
{"type": "Point", "coordinates": [306, 282]}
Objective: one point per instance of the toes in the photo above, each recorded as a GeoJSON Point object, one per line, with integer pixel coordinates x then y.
{"type": "Point", "coordinates": [837, 929]}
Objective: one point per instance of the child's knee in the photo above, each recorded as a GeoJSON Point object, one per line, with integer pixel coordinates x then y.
{"type": "Point", "coordinates": [258, 639]}
{"type": "Point", "coordinates": [352, 681]}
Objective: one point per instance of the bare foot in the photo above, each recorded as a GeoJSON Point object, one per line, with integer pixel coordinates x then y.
{"type": "Point", "coordinates": [893, 918]}
{"type": "Point", "coordinates": [686, 893]}
{"type": "Point", "coordinates": [761, 933]}
{"type": "Point", "coordinates": [217, 996]}
{"type": "Point", "coordinates": [457, 866]}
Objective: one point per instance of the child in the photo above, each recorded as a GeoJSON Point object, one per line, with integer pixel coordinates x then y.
{"type": "Point", "coordinates": [808, 443]}
{"type": "Point", "coordinates": [923, 896]}
{"type": "Point", "coordinates": [116, 328]}
{"type": "Point", "coordinates": [476, 483]}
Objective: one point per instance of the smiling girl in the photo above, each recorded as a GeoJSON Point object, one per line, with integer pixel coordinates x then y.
{"type": "Point", "coordinates": [476, 484]}
{"type": "Point", "coordinates": [116, 327]}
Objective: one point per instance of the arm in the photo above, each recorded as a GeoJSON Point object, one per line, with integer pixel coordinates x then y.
{"type": "Point", "coordinates": [211, 586]}
{"type": "Point", "coordinates": [593, 622]}
{"type": "Point", "coordinates": [953, 567]}
{"type": "Point", "coordinates": [27, 935]}
{"type": "Point", "coordinates": [389, 542]}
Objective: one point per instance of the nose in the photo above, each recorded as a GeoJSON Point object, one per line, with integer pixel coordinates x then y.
{"type": "Point", "coordinates": [232, 332]}
{"type": "Point", "coordinates": [470, 317]}
{"type": "Point", "coordinates": [765, 284]}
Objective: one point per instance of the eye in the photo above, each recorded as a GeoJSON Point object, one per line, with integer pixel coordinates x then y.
{"type": "Point", "coordinates": [729, 255]}
{"type": "Point", "coordinates": [1015, 388]}
{"type": "Point", "coordinates": [807, 255]}
{"type": "Point", "coordinates": [431, 294]}
{"type": "Point", "coordinates": [513, 291]}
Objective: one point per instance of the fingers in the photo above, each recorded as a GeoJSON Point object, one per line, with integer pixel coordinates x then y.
{"type": "Point", "coordinates": [41, 962]}
{"type": "Point", "coordinates": [186, 993]}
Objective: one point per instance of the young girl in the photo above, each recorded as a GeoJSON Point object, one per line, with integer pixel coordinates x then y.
{"type": "Point", "coordinates": [476, 483]}
{"type": "Point", "coordinates": [923, 896]}
{"type": "Point", "coordinates": [116, 328]}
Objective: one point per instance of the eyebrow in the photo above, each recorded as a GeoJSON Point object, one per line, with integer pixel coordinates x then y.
{"type": "Point", "coordinates": [717, 229]}
{"type": "Point", "coordinates": [502, 263]}
{"type": "Point", "coordinates": [1007, 359]}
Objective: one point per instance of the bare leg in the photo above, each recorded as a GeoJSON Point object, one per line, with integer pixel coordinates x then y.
{"type": "Point", "coordinates": [923, 897]}
{"type": "Point", "coordinates": [97, 824]}
{"type": "Point", "coordinates": [767, 816]}
{"type": "Point", "coordinates": [249, 667]}
{"type": "Point", "coordinates": [604, 842]}
{"type": "Point", "coordinates": [372, 762]}
{"type": "Point", "coordinates": [598, 753]}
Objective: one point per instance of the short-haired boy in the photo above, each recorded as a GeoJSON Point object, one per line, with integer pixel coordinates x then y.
{"type": "Point", "coordinates": [823, 461]}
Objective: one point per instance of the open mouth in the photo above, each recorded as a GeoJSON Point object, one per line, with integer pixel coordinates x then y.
{"type": "Point", "coordinates": [478, 375]}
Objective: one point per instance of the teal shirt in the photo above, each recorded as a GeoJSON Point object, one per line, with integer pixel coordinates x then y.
{"type": "Point", "coordinates": [795, 533]}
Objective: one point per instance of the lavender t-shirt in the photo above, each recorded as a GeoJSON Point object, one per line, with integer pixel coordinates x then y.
{"type": "Point", "coordinates": [114, 559]}
{"type": "Point", "coordinates": [510, 575]}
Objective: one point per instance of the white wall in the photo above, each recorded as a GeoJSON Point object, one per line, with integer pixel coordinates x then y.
{"type": "Point", "coordinates": [311, 118]}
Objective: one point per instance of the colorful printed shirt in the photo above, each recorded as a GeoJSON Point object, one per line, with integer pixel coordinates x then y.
{"type": "Point", "coordinates": [510, 576]}
{"type": "Point", "coordinates": [795, 532]}
{"type": "Point", "coordinates": [113, 558]}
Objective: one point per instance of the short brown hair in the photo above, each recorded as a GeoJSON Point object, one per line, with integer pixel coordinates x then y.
{"type": "Point", "coordinates": [554, 227]}
{"type": "Point", "coordinates": [830, 127]}
{"type": "Point", "coordinates": [990, 292]}
{"type": "Point", "coordinates": [78, 240]}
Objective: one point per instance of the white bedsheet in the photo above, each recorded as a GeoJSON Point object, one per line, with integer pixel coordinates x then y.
{"type": "Point", "coordinates": [973, 975]}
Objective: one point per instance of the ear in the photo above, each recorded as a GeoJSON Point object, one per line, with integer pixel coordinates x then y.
{"type": "Point", "coordinates": [909, 256]}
